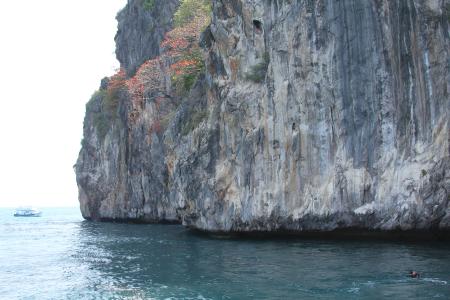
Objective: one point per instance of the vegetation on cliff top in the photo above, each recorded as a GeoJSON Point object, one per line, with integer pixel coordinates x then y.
{"type": "Point", "coordinates": [181, 58]}
{"type": "Point", "coordinates": [191, 19]}
{"type": "Point", "coordinates": [102, 118]}
{"type": "Point", "coordinates": [181, 53]}
{"type": "Point", "coordinates": [191, 9]}
{"type": "Point", "coordinates": [116, 85]}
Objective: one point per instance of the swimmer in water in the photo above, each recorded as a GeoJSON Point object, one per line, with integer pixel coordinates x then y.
{"type": "Point", "coordinates": [414, 274]}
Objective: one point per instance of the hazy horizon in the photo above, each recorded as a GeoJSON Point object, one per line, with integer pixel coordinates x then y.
{"type": "Point", "coordinates": [54, 54]}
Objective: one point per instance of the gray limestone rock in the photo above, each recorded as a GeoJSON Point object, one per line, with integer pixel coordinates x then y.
{"type": "Point", "coordinates": [313, 115]}
{"type": "Point", "coordinates": [141, 30]}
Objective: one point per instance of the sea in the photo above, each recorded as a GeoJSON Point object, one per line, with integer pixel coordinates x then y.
{"type": "Point", "coordinates": [61, 256]}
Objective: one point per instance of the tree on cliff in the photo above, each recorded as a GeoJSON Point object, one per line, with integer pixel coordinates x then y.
{"type": "Point", "coordinates": [179, 65]}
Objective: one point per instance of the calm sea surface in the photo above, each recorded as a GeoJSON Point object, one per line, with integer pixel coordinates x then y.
{"type": "Point", "coordinates": [60, 256]}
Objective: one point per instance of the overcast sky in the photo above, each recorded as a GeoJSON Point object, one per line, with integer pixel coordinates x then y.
{"type": "Point", "coordinates": [53, 55]}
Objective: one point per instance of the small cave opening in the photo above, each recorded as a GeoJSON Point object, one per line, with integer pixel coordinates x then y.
{"type": "Point", "coordinates": [258, 26]}
{"type": "Point", "coordinates": [294, 127]}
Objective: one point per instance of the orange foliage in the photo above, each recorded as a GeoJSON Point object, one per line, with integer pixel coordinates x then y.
{"type": "Point", "coordinates": [149, 78]}
{"type": "Point", "coordinates": [185, 66]}
{"type": "Point", "coordinates": [116, 83]}
{"type": "Point", "coordinates": [182, 38]}
{"type": "Point", "coordinates": [180, 56]}
{"type": "Point", "coordinates": [178, 43]}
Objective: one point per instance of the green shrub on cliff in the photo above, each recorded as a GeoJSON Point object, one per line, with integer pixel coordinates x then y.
{"type": "Point", "coordinates": [187, 71]}
{"type": "Point", "coordinates": [183, 83]}
{"type": "Point", "coordinates": [101, 119]}
{"type": "Point", "coordinates": [190, 9]}
{"type": "Point", "coordinates": [258, 72]}
{"type": "Point", "coordinates": [102, 123]}
{"type": "Point", "coordinates": [149, 4]}
{"type": "Point", "coordinates": [116, 85]}
{"type": "Point", "coordinates": [103, 108]}
{"type": "Point", "coordinates": [194, 120]}
{"type": "Point", "coordinates": [182, 44]}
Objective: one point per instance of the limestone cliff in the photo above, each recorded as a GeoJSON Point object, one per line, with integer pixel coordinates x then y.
{"type": "Point", "coordinates": [141, 30]}
{"type": "Point", "coordinates": [311, 115]}
{"type": "Point", "coordinates": [121, 172]}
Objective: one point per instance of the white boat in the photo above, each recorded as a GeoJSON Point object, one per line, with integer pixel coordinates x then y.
{"type": "Point", "coordinates": [27, 212]}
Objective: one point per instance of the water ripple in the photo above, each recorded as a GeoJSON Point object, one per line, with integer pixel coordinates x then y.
{"type": "Point", "coordinates": [62, 257]}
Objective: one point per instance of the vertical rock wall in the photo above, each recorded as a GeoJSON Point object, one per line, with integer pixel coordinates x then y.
{"type": "Point", "coordinates": [313, 115]}
{"type": "Point", "coordinates": [349, 124]}
{"type": "Point", "coordinates": [141, 30]}
{"type": "Point", "coordinates": [121, 173]}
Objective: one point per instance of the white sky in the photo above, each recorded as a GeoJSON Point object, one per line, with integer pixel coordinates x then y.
{"type": "Point", "coordinates": [53, 54]}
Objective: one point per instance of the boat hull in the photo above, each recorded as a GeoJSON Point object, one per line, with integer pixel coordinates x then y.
{"type": "Point", "coordinates": [29, 215]}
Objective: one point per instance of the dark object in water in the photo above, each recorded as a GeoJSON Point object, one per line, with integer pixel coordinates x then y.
{"type": "Point", "coordinates": [414, 274]}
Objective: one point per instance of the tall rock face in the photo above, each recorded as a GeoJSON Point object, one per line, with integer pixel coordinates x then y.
{"type": "Point", "coordinates": [142, 25]}
{"type": "Point", "coordinates": [312, 115]}
{"type": "Point", "coordinates": [348, 127]}
{"type": "Point", "coordinates": [121, 173]}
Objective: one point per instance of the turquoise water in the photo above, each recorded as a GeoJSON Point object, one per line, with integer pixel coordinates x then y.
{"type": "Point", "coordinates": [60, 256]}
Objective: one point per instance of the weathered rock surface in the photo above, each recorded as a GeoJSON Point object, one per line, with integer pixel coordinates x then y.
{"type": "Point", "coordinates": [141, 30]}
{"type": "Point", "coordinates": [120, 171]}
{"type": "Point", "coordinates": [313, 115]}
